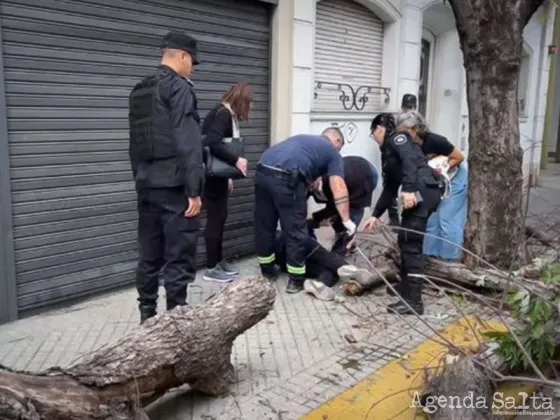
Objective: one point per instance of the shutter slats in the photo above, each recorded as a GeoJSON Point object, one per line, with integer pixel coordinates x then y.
{"type": "Point", "coordinates": [348, 49]}
{"type": "Point", "coordinates": [69, 66]}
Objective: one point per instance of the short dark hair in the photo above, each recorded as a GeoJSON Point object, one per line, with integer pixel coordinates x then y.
{"type": "Point", "coordinates": [385, 119]}
{"type": "Point", "coordinates": [334, 130]}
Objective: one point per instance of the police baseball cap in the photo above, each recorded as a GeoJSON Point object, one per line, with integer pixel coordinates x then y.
{"type": "Point", "coordinates": [181, 41]}
{"type": "Point", "coordinates": [408, 101]}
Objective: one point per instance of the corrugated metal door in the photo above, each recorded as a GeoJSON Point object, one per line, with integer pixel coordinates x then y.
{"type": "Point", "coordinates": [69, 68]}
{"type": "Point", "coordinates": [348, 49]}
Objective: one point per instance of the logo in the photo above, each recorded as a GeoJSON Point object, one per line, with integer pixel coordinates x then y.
{"type": "Point", "coordinates": [525, 404]}
{"type": "Point", "coordinates": [400, 140]}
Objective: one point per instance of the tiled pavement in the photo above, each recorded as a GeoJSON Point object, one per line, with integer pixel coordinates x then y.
{"type": "Point", "coordinates": [302, 354]}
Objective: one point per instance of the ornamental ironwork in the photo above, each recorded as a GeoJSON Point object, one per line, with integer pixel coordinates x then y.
{"type": "Point", "coordinates": [352, 97]}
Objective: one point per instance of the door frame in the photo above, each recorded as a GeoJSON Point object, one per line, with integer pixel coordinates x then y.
{"type": "Point", "coordinates": [427, 35]}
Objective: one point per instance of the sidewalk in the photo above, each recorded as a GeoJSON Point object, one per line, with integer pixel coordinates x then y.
{"type": "Point", "coordinates": [304, 353]}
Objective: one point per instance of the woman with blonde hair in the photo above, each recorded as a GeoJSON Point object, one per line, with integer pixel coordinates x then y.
{"type": "Point", "coordinates": [222, 122]}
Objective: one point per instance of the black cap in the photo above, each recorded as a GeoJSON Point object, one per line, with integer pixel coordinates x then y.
{"type": "Point", "coordinates": [408, 101]}
{"type": "Point", "coordinates": [181, 41]}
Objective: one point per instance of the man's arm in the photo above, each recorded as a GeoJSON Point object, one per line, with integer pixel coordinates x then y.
{"type": "Point", "coordinates": [404, 148]}
{"type": "Point", "coordinates": [335, 172]}
{"type": "Point", "coordinates": [340, 196]}
{"type": "Point", "coordinates": [188, 136]}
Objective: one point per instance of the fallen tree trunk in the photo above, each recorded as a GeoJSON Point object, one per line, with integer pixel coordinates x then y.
{"type": "Point", "coordinates": [183, 346]}
{"type": "Point", "coordinates": [387, 266]}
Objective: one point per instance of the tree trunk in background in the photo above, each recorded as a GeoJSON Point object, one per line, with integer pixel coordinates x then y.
{"type": "Point", "coordinates": [491, 37]}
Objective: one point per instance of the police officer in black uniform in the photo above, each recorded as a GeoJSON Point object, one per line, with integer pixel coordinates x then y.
{"type": "Point", "coordinates": [406, 166]}
{"type": "Point", "coordinates": [283, 177]}
{"type": "Point", "coordinates": [166, 159]}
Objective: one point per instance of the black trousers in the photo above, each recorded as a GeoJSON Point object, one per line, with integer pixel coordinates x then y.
{"type": "Point", "coordinates": [216, 204]}
{"type": "Point", "coordinates": [321, 264]}
{"type": "Point", "coordinates": [278, 197]}
{"type": "Point", "coordinates": [167, 243]}
{"type": "Point", "coordinates": [411, 243]}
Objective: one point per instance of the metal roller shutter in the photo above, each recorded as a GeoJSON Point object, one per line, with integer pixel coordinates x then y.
{"type": "Point", "coordinates": [348, 49]}
{"type": "Point", "coordinates": [69, 66]}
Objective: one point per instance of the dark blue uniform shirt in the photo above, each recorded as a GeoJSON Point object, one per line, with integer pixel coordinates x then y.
{"type": "Point", "coordinates": [311, 155]}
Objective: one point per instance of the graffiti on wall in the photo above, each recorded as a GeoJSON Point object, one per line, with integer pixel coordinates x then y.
{"type": "Point", "coordinates": [349, 129]}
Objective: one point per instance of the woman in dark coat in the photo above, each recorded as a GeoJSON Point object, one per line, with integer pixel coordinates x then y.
{"type": "Point", "coordinates": [222, 122]}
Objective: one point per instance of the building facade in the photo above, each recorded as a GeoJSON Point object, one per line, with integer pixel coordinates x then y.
{"type": "Point", "coordinates": [67, 202]}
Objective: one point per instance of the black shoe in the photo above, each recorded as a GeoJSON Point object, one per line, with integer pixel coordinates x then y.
{"type": "Point", "coordinates": [294, 286]}
{"type": "Point", "coordinates": [270, 272]}
{"type": "Point", "coordinates": [401, 309]}
{"type": "Point", "coordinates": [147, 312]}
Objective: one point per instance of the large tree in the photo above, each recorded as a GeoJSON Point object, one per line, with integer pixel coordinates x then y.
{"type": "Point", "coordinates": [491, 38]}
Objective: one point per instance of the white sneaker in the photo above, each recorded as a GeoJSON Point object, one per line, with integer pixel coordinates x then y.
{"type": "Point", "coordinates": [319, 290]}
{"type": "Point", "coordinates": [351, 272]}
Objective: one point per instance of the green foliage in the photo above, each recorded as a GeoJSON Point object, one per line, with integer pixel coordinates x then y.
{"type": "Point", "coordinates": [540, 317]}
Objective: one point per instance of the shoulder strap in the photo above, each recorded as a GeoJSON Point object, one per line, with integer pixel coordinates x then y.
{"type": "Point", "coordinates": [234, 122]}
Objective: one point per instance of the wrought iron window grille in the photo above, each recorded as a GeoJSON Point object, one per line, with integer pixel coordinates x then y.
{"type": "Point", "coordinates": [352, 97]}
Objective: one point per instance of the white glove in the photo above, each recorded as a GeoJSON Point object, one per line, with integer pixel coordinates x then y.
{"type": "Point", "coordinates": [350, 227]}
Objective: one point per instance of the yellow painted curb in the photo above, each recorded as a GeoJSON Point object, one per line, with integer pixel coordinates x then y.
{"type": "Point", "coordinates": [388, 393]}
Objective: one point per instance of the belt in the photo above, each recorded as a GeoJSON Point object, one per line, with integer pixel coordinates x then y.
{"type": "Point", "coordinates": [274, 172]}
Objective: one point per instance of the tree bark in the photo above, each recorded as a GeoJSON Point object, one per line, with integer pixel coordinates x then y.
{"type": "Point", "coordinates": [183, 346]}
{"type": "Point", "coordinates": [387, 266]}
{"type": "Point", "coordinates": [491, 37]}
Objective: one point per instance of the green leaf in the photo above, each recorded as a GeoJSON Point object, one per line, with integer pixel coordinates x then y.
{"type": "Point", "coordinates": [556, 392]}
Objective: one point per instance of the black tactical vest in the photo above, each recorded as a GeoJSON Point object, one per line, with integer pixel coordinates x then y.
{"type": "Point", "coordinates": [151, 128]}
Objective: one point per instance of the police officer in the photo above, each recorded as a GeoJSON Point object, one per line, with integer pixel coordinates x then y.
{"type": "Point", "coordinates": [283, 176]}
{"type": "Point", "coordinates": [392, 204]}
{"type": "Point", "coordinates": [166, 158]}
{"type": "Point", "coordinates": [408, 103]}
{"type": "Point", "coordinates": [407, 167]}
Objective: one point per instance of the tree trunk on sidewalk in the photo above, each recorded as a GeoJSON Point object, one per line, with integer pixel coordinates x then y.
{"type": "Point", "coordinates": [491, 38]}
{"type": "Point", "coordinates": [183, 346]}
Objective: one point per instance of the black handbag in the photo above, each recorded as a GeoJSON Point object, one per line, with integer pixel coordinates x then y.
{"type": "Point", "coordinates": [217, 168]}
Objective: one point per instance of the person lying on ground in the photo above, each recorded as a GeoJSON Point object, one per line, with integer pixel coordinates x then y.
{"type": "Point", "coordinates": [323, 269]}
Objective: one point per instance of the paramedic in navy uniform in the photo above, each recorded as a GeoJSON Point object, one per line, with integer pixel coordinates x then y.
{"type": "Point", "coordinates": [283, 177]}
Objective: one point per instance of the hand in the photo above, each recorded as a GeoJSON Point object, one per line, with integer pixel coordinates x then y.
{"type": "Point", "coordinates": [409, 200]}
{"type": "Point", "coordinates": [195, 204]}
{"type": "Point", "coordinates": [242, 164]}
{"type": "Point", "coordinates": [314, 185]}
{"type": "Point", "coordinates": [350, 228]}
{"type": "Point", "coordinates": [372, 223]}
{"type": "Point", "coordinates": [350, 244]}
{"type": "Point", "coordinates": [230, 186]}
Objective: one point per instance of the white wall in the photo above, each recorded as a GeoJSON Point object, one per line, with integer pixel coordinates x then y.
{"type": "Point", "coordinates": [404, 21]}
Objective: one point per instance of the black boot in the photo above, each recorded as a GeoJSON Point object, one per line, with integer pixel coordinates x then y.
{"type": "Point", "coordinates": [411, 292]}
{"type": "Point", "coordinates": [397, 287]}
{"type": "Point", "coordinates": [295, 285]}
{"type": "Point", "coordinates": [270, 272]}
{"type": "Point", "coordinates": [146, 312]}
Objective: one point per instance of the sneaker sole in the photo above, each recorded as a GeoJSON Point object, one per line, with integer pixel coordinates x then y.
{"type": "Point", "coordinates": [311, 289]}
{"type": "Point", "coordinates": [205, 278]}
{"type": "Point", "coordinates": [348, 272]}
